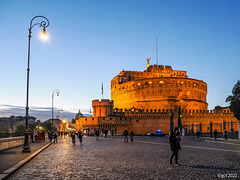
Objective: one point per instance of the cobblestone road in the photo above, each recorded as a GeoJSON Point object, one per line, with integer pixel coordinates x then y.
{"type": "Point", "coordinates": [145, 158]}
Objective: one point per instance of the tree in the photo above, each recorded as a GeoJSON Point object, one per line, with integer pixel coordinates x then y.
{"type": "Point", "coordinates": [20, 129]}
{"type": "Point", "coordinates": [235, 100]}
{"type": "Point", "coordinates": [48, 126]}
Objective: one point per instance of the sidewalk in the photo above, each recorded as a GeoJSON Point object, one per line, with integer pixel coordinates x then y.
{"type": "Point", "coordinates": [13, 159]}
{"type": "Point", "coordinates": [236, 141]}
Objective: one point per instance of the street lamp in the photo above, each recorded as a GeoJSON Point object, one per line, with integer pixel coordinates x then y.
{"type": "Point", "coordinates": [44, 23]}
{"type": "Point", "coordinates": [55, 91]}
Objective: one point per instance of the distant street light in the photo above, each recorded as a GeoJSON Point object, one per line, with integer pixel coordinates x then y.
{"type": "Point", "coordinates": [55, 91]}
{"type": "Point", "coordinates": [44, 24]}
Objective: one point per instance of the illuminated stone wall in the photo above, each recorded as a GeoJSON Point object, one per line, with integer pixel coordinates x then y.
{"type": "Point", "coordinates": [158, 87]}
{"type": "Point", "coordinates": [102, 108]}
{"type": "Point", "coordinates": [144, 101]}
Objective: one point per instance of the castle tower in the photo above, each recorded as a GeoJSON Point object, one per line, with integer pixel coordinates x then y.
{"type": "Point", "coordinates": [102, 108]}
{"type": "Point", "coordinates": [158, 87]}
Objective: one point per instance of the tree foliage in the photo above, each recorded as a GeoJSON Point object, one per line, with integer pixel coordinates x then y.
{"type": "Point", "coordinates": [20, 129]}
{"type": "Point", "coordinates": [48, 126]}
{"type": "Point", "coordinates": [235, 100]}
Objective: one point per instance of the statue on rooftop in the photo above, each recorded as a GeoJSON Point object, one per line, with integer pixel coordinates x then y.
{"type": "Point", "coordinates": [148, 59]}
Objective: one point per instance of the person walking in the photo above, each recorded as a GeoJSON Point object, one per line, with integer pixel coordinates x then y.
{"type": "Point", "coordinates": [31, 134]}
{"type": "Point", "coordinates": [125, 133]}
{"type": "Point", "coordinates": [80, 135]}
{"type": "Point", "coordinates": [55, 137]}
{"type": "Point", "coordinates": [50, 136]}
{"type": "Point", "coordinates": [225, 134]}
{"type": "Point", "coordinates": [39, 138]}
{"type": "Point", "coordinates": [198, 135]}
{"type": "Point", "coordinates": [43, 136]}
{"type": "Point", "coordinates": [97, 135]}
{"type": "Point", "coordinates": [215, 134]}
{"type": "Point", "coordinates": [105, 133]}
{"type": "Point", "coordinates": [73, 134]}
{"type": "Point", "coordinates": [35, 135]}
{"type": "Point", "coordinates": [131, 135]}
{"type": "Point", "coordinates": [174, 141]}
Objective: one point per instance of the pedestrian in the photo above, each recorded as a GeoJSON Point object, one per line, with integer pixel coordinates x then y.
{"type": "Point", "coordinates": [125, 133]}
{"type": "Point", "coordinates": [31, 134]}
{"type": "Point", "coordinates": [97, 135]}
{"type": "Point", "coordinates": [131, 135]}
{"type": "Point", "coordinates": [174, 140]}
{"type": "Point", "coordinates": [55, 137]}
{"type": "Point", "coordinates": [50, 136]}
{"type": "Point", "coordinates": [80, 135]}
{"type": "Point", "coordinates": [43, 136]}
{"type": "Point", "coordinates": [225, 134]}
{"type": "Point", "coordinates": [112, 132]}
{"type": "Point", "coordinates": [106, 132]}
{"type": "Point", "coordinates": [35, 135]}
{"type": "Point", "coordinates": [39, 138]}
{"type": "Point", "coordinates": [73, 134]}
{"type": "Point", "coordinates": [198, 135]}
{"type": "Point", "coordinates": [215, 134]}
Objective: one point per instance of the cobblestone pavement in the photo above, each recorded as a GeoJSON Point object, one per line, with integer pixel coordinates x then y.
{"type": "Point", "coordinates": [145, 158]}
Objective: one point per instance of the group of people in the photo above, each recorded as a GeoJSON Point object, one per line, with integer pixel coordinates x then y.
{"type": "Point", "coordinates": [79, 134]}
{"type": "Point", "coordinates": [38, 136]}
{"type": "Point", "coordinates": [125, 133]}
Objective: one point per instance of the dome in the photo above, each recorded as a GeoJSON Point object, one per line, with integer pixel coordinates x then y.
{"type": "Point", "coordinates": [79, 115]}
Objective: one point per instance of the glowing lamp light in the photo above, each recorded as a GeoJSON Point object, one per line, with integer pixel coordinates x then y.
{"type": "Point", "coordinates": [64, 121]}
{"type": "Point", "coordinates": [160, 82]}
{"type": "Point", "coordinates": [44, 35]}
{"type": "Point", "coordinates": [57, 94]}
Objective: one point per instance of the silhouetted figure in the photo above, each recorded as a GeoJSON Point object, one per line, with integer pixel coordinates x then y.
{"type": "Point", "coordinates": [55, 137]}
{"type": "Point", "coordinates": [225, 134]}
{"type": "Point", "coordinates": [106, 132]}
{"type": "Point", "coordinates": [198, 135]}
{"type": "Point", "coordinates": [50, 136]}
{"type": "Point", "coordinates": [174, 139]}
{"type": "Point", "coordinates": [131, 135]}
{"type": "Point", "coordinates": [73, 134]}
{"type": "Point", "coordinates": [80, 135]}
{"type": "Point", "coordinates": [97, 135]}
{"type": "Point", "coordinates": [215, 134]}
{"type": "Point", "coordinates": [125, 133]}
{"type": "Point", "coordinates": [35, 135]}
{"type": "Point", "coordinates": [43, 136]}
{"type": "Point", "coordinates": [31, 134]}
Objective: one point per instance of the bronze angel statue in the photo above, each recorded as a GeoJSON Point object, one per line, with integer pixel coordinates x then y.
{"type": "Point", "coordinates": [148, 59]}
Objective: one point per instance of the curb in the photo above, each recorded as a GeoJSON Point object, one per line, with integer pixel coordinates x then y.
{"type": "Point", "coordinates": [4, 175]}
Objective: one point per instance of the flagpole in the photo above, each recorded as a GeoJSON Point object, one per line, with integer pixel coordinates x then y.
{"type": "Point", "coordinates": [102, 90]}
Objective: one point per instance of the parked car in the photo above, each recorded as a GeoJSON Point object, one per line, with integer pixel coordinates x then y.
{"type": "Point", "coordinates": [157, 133]}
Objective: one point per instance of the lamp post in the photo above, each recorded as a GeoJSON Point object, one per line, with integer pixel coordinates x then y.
{"type": "Point", "coordinates": [44, 23]}
{"type": "Point", "coordinates": [55, 91]}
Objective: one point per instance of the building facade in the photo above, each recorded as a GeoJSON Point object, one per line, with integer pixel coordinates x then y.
{"type": "Point", "coordinates": [157, 98]}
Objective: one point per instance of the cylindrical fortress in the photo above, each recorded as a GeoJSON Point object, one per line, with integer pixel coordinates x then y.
{"type": "Point", "coordinates": [158, 87]}
{"type": "Point", "coordinates": [102, 108]}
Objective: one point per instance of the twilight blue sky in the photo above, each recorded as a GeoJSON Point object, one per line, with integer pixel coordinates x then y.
{"type": "Point", "coordinates": [91, 41]}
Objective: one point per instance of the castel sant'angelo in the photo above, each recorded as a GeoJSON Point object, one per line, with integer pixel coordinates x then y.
{"type": "Point", "coordinates": [157, 98]}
